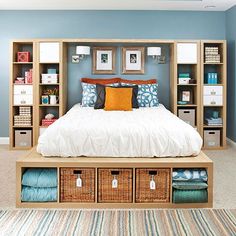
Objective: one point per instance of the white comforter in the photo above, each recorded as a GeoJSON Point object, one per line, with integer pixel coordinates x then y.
{"type": "Point", "coordinates": [143, 132]}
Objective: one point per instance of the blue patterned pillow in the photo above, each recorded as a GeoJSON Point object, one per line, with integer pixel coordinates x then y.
{"type": "Point", "coordinates": [147, 95]}
{"type": "Point", "coordinates": [189, 175]}
{"type": "Point", "coordinates": [89, 95]}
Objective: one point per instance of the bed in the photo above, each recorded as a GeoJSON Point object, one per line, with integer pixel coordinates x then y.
{"type": "Point", "coordinates": [143, 132]}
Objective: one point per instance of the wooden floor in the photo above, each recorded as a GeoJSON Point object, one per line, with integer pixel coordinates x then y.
{"type": "Point", "coordinates": [33, 159]}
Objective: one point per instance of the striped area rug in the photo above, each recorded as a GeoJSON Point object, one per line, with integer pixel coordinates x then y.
{"type": "Point", "coordinates": [118, 222]}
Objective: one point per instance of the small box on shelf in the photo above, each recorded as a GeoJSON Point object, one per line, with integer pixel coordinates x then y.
{"type": "Point", "coordinates": [187, 115]}
{"type": "Point", "coordinates": [23, 56]}
{"type": "Point", "coordinates": [50, 78]}
{"type": "Point", "coordinates": [23, 138]}
{"type": "Point", "coordinates": [212, 138]}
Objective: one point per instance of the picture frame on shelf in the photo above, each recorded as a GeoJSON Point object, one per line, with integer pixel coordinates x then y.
{"type": "Point", "coordinates": [104, 60]}
{"type": "Point", "coordinates": [133, 60]}
{"type": "Point", "coordinates": [186, 96]}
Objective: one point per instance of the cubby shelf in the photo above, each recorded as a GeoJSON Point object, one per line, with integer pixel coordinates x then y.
{"type": "Point", "coordinates": [196, 51]}
{"type": "Point", "coordinates": [18, 69]}
{"type": "Point", "coordinates": [220, 69]}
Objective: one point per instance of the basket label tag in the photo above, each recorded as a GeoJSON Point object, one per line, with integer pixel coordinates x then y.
{"type": "Point", "coordinates": [152, 184]}
{"type": "Point", "coordinates": [114, 183]}
{"type": "Point", "coordinates": [79, 182]}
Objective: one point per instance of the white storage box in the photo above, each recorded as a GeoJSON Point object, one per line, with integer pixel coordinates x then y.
{"type": "Point", "coordinates": [184, 80]}
{"type": "Point", "coordinates": [212, 100]}
{"type": "Point", "coordinates": [187, 53]}
{"type": "Point", "coordinates": [49, 78]}
{"type": "Point", "coordinates": [49, 52]}
{"type": "Point", "coordinates": [23, 100]}
{"type": "Point", "coordinates": [213, 90]}
{"type": "Point", "coordinates": [23, 89]}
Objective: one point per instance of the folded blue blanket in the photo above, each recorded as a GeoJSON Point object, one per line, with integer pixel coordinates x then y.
{"type": "Point", "coordinates": [31, 194]}
{"type": "Point", "coordinates": [189, 185]}
{"type": "Point", "coordinates": [38, 177]}
{"type": "Point", "coordinates": [189, 175]}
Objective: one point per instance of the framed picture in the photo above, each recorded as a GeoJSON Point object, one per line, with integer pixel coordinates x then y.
{"type": "Point", "coordinates": [133, 60]}
{"type": "Point", "coordinates": [186, 96]}
{"type": "Point", "coordinates": [75, 58]}
{"type": "Point", "coordinates": [104, 60]}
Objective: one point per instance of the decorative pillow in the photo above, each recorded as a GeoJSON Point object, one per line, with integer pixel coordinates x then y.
{"type": "Point", "coordinates": [100, 81]}
{"type": "Point", "coordinates": [188, 185]}
{"type": "Point", "coordinates": [150, 81]}
{"type": "Point", "coordinates": [189, 175]}
{"type": "Point", "coordinates": [118, 99]}
{"type": "Point", "coordinates": [89, 95]}
{"type": "Point", "coordinates": [147, 95]}
{"type": "Point", "coordinates": [101, 94]}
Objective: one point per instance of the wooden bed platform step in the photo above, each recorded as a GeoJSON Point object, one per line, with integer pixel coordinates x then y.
{"type": "Point", "coordinates": [102, 171]}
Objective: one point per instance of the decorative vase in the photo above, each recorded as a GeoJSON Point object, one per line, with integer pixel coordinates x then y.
{"type": "Point", "coordinates": [53, 99]}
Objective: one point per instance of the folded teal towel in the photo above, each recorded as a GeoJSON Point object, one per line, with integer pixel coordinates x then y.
{"type": "Point", "coordinates": [190, 196]}
{"type": "Point", "coordinates": [37, 177]}
{"type": "Point", "coordinates": [31, 194]}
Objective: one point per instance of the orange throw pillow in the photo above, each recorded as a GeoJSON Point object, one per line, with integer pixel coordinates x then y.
{"type": "Point", "coordinates": [100, 81]}
{"type": "Point", "coordinates": [150, 81]}
{"type": "Point", "coordinates": [118, 99]}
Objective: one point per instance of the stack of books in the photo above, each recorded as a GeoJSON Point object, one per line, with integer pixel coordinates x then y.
{"type": "Point", "coordinates": [212, 55]}
{"type": "Point", "coordinates": [213, 121]}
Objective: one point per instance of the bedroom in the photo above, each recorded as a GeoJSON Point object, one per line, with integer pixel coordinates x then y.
{"type": "Point", "coordinates": [168, 42]}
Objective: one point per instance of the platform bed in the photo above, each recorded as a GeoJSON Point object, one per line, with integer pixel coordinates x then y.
{"type": "Point", "coordinates": [35, 160]}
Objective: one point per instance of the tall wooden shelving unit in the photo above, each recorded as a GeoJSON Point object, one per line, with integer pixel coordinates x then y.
{"type": "Point", "coordinates": [60, 64]}
{"type": "Point", "coordinates": [221, 69]}
{"type": "Point", "coordinates": [18, 69]}
{"type": "Point", "coordinates": [191, 66]}
{"type": "Point", "coordinates": [38, 110]}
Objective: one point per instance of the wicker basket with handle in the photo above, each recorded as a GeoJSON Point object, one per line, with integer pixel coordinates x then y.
{"type": "Point", "coordinates": [71, 191]}
{"type": "Point", "coordinates": [115, 185]}
{"type": "Point", "coordinates": [156, 191]}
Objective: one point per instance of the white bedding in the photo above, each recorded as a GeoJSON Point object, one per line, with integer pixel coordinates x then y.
{"type": "Point", "coordinates": [143, 132]}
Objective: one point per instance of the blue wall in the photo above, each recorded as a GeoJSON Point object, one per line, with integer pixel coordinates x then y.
{"type": "Point", "coordinates": [231, 88]}
{"type": "Point", "coordinates": [101, 24]}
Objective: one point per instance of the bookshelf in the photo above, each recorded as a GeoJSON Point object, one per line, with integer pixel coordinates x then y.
{"type": "Point", "coordinates": [214, 92]}
{"type": "Point", "coordinates": [26, 109]}
{"type": "Point", "coordinates": [185, 99]}
{"type": "Point", "coordinates": [22, 87]}
{"type": "Point", "coordinates": [51, 62]}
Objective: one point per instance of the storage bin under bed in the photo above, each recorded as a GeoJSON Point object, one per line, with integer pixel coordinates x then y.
{"type": "Point", "coordinates": [70, 191]}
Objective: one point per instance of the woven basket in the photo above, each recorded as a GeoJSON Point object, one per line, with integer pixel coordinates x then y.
{"type": "Point", "coordinates": [123, 193]}
{"type": "Point", "coordinates": [70, 192]}
{"type": "Point", "coordinates": [161, 178]}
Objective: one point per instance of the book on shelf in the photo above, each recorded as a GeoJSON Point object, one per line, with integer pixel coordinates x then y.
{"type": "Point", "coordinates": [213, 121]}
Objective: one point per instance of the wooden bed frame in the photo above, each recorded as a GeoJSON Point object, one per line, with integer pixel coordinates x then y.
{"type": "Point", "coordinates": [33, 159]}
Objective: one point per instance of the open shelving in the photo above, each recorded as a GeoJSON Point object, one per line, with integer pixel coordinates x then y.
{"type": "Point", "coordinates": [219, 108]}
{"type": "Point", "coordinates": [18, 69]}
{"type": "Point", "coordinates": [183, 64]}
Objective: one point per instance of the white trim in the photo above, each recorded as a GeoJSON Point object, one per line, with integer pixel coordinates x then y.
{"type": "Point", "coordinates": [231, 143]}
{"type": "Point", "coordinates": [4, 140]}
